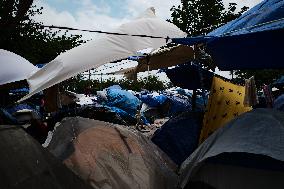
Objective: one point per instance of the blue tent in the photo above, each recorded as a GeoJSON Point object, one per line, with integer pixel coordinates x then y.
{"type": "Point", "coordinates": [179, 136]}
{"type": "Point", "coordinates": [253, 41]}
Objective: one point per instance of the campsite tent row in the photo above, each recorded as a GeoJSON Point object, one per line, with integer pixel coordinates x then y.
{"type": "Point", "coordinates": [255, 137]}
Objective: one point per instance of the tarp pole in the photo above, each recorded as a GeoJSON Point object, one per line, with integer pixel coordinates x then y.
{"type": "Point", "coordinates": [101, 81]}
{"type": "Point", "coordinates": [193, 99]}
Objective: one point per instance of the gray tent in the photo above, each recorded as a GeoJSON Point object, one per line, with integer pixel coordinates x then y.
{"type": "Point", "coordinates": [247, 153]}
{"type": "Point", "coordinates": [110, 156]}
{"type": "Point", "coordinates": [25, 164]}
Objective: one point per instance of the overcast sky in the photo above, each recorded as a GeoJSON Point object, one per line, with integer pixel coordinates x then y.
{"type": "Point", "coordinates": [107, 14]}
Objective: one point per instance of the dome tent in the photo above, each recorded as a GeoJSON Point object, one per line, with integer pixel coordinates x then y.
{"type": "Point", "coordinates": [24, 164]}
{"type": "Point", "coordinates": [111, 156]}
{"type": "Point", "coordinates": [246, 153]}
{"type": "Point", "coordinates": [14, 67]}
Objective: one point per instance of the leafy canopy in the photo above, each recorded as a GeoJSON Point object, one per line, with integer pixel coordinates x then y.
{"type": "Point", "coordinates": [199, 17]}
{"type": "Point", "coordinates": [20, 34]}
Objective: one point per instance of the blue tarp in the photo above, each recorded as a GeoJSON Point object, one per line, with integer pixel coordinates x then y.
{"type": "Point", "coordinates": [253, 41]}
{"type": "Point", "coordinates": [178, 105]}
{"type": "Point", "coordinates": [19, 107]}
{"type": "Point", "coordinates": [179, 136]}
{"type": "Point", "coordinates": [279, 82]}
{"type": "Point", "coordinates": [122, 99]}
{"type": "Point", "coordinates": [190, 77]}
{"type": "Point", "coordinates": [279, 103]}
{"type": "Point", "coordinates": [153, 101]}
{"type": "Point", "coordinates": [22, 90]}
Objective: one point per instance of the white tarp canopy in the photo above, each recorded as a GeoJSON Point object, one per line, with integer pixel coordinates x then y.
{"type": "Point", "coordinates": [14, 67]}
{"type": "Point", "coordinates": [105, 49]}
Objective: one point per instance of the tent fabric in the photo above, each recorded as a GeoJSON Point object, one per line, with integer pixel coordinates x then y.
{"type": "Point", "coordinates": [179, 136]}
{"type": "Point", "coordinates": [161, 58]}
{"type": "Point", "coordinates": [279, 103]}
{"type": "Point", "coordinates": [14, 67]}
{"type": "Point", "coordinates": [225, 103]}
{"type": "Point", "coordinates": [111, 156]}
{"type": "Point", "coordinates": [104, 49]}
{"type": "Point", "coordinates": [250, 146]}
{"type": "Point", "coordinates": [25, 164]}
{"type": "Point", "coordinates": [190, 77]}
{"type": "Point", "coordinates": [279, 82]}
{"type": "Point", "coordinates": [247, 39]}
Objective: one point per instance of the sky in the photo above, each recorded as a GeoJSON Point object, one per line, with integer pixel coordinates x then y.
{"type": "Point", "coordinates": [107, 14]}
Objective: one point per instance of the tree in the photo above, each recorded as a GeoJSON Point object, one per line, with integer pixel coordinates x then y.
{"type": "Point", "coordinates": [199, 17]}
{"type": "Point", "coordinates": [22, 35]}
{"type": "Point", "coordinates": [261, 76]}
{"type": "Point", "coordinates": [13, 11]}
{"type": "Point", "coordinates": [79, 84]}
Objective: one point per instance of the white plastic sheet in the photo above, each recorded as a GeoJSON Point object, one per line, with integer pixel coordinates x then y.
{"type": "Point", "coordinates": [14, 67]}
{"type": "Point", "coordinates": [105, 49]}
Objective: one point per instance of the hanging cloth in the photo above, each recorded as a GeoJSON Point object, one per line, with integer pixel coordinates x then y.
{"type": "Point", "coordinates": [251, 98]}
{"type": "Point", "coordinates": [268, 95]}
{"type": "Point", "coordinates": [225, 103]}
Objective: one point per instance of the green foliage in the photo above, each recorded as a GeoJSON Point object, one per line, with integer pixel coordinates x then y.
{"type": "Point", "coordinates": [199, 17]}
{"type": "Point", "coordinates": [261, 76]}
{"type": "Point", "coordinates": [80, 85]}
{"type": "Point", "coordinates": [25, 37]}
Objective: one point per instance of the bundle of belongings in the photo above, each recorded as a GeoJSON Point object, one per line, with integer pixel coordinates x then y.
{"type": "Point", "coordinates": [120, 101]}
{"type": "Point", "coordinates": [156, 105]}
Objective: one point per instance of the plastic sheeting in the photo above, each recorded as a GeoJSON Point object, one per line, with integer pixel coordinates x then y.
{"type": "Point", "coordinates": [14, 67]}
{"type": "Point", "coordinates": [253, 41]}
{"type": "Point", "coordinates": [179, 136]}
{"type": "Point", "coordinates": [246, 153]}
{"type": "Point", "coordinates": [279, 103]}
{"type": "Point", "coordinates": [153, 100]}
{"type": "Point", "coordinates": [279, 82]}
{"type": "Point", "coordinates": [122, 99]}
{"type": "Point", "coordinates": [167, 105]}
{"type": "Point", "coordinates": [105, 49]}
{"type": "Point", "coordinates": [110, 156]}
{"type": "Point", "coordinates": [114, 96]}
{"type": "Point", "coordinates": [26, 165]}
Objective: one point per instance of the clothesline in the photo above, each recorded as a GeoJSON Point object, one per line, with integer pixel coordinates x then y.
{"type": "Point", "coordinates": [102, 32]}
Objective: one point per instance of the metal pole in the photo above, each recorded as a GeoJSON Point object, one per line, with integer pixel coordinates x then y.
{"type": "Point", "coordinates": [101, 81]}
